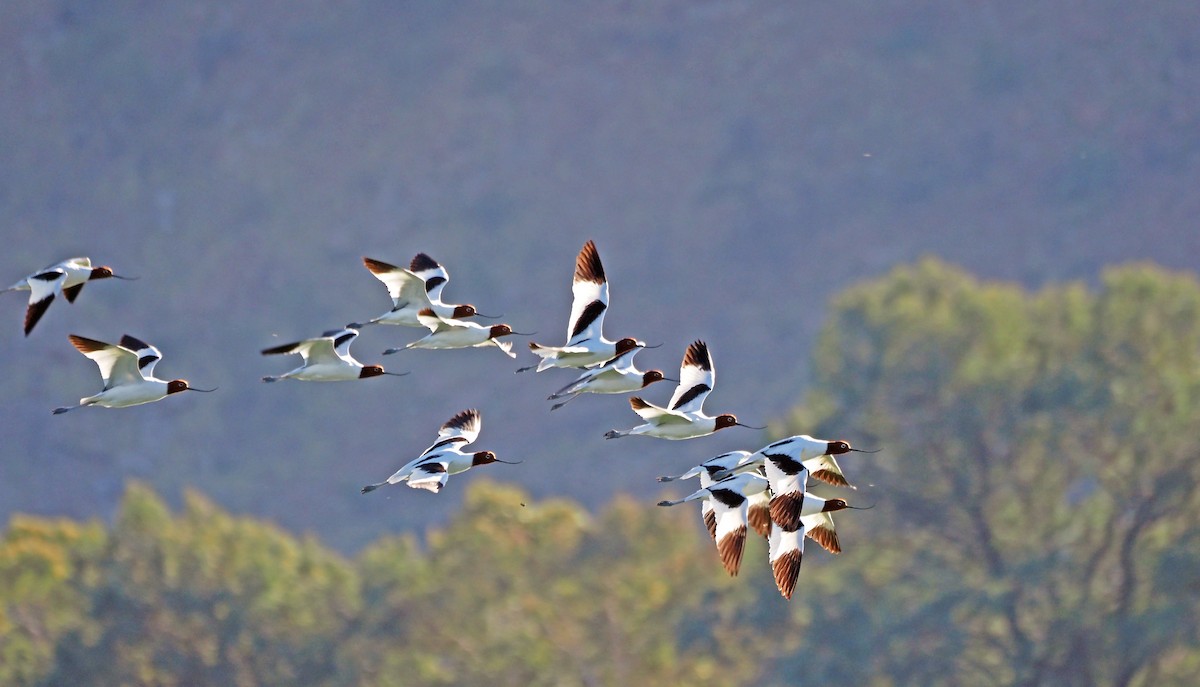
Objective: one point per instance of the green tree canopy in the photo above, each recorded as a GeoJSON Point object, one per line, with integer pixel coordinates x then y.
{"type": "Point", "coordinates": [1038, 501]}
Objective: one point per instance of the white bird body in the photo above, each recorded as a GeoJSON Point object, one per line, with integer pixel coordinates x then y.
{"type": "Point", "coordinates": [77, 271]}
{"type": "Point", "coordinates": [125, 382]}
{"type": "Point", "coordinates": [448, 334]}
{"type": "Point", "coordinates": [445, 457]}
{"type": "Point", "coordinates": [586, 345]}
{"type": "Point", "coordinates": [66, 278]}
{"type": "Point", "coordinates": [684, 418]}
{"type": "Point", "coordinates": [617, 376]}
{"type": "Point", "coordinates": [816, 455]}
{"type": "Point", "coordinates": [326, 359]}
{"type": "Point", "coordinates": [415, 289]}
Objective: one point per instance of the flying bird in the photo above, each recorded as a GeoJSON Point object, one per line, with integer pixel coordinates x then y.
{"type": "Point", "coordinates": [327, 359]}
{"type": "Point", "coordinates": [786, 545]}
{"type": "Point", "coordinates": [126, 370]}
{"type": "Point", "coordinates": [684, 417]}
{"type": "Point", "coordinates": [445, 334]}
{"type": "Point", "coordinates": [415, 289]}
{"type": "Point", "coordinates": [66, 277]}
{"type": "Point", "coordinates": [758, 514]}
{"type": "Point", "coordinates": [586, 345]}
{"type": "Point", "coordinates": [730, 501]}
{"type": "Point", "coordinates": [817, 456]}
{"type": "Point", "coordinates": [617, 376]}
{"type": "Point", "coordinates": [445, 457]}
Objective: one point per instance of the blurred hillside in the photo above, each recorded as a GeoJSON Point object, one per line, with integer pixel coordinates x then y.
{"type": "Point", "coordinates": [736, 162]}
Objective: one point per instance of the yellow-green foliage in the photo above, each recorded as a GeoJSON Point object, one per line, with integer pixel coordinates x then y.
{"type": "Point", "coordinates": [1036, 525]}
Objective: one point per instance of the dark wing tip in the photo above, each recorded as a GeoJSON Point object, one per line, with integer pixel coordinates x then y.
{"type": "Point", "coordinates": [730, 547]}
{"type": "Point", "coordinates": [72, 292]}
{"type": "Point", "coordinates": [462, 420]}
{"type": "Point", "coordinates": [832, 478]}
{"type": "Point", "coordinates": [422, 262]}
{"type": "Point", "coordinates": [86, 345]}
{"type": "Point", "coordinates": [427, 312]}
{"type": "Point", "coordinates": [827, 538]}
{"type": "Point", "coordinates": [785, 510]}
{"type": "Point", "coordinates": [787, 570]}
{"type": "Point", "coordinates": [378, 266]}
{"type": "Point", "coordinates": [587, 264]}
{"type": "Point", "coordinates": [759, 518]}
{"type": "Point", "coordinates": [275, 350]}
{"type": "Point", "coordinates": [637, 403]}
{"type": "Point", "coordinates": [35, 311]}
{"type": "Point", "coordinates": [697, 356]}
{"type": "Point", "coordinates": [133, 343]}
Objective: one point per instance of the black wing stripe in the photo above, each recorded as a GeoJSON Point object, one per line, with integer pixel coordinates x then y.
{"type": "Point", "coordinates": [786, 464]}
{"type": "Point", "coordinates": [691, 394]}
{"type": "Point", "coordinates": [588, 316]}
{"type": "Point", "coordinates": [432, 283]}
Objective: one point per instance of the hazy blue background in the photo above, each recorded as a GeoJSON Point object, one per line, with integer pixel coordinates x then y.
{"type": "Point", "coordinates": [737, 163]}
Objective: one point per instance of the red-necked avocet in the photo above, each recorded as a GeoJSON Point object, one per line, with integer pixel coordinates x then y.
{"type": "Point", "coordinates": [459, 334]}
{"type": "Point", "coordinates": [758, 513]}
{"type": "Point", "coordinates": [786, 546]}
{"type": "Point", "coordinates": [586, 345]}
{"type": "Point", "coordinates": [445, 457]}
{"type": "Point", "coordinates": [730, 501]}
{"type": "Point", "coordinates": [817, 455]}
{"type": "Point", "coordinates": [126, 382]}
{"type": "Point", "coordinates": [415, 289]}
{"type": "Point", "coordinates": [617, 376]}
{"type": "Point", "coordinates": [684, 417]}
{"type": "Point", "coordinates": [67, 277]}
{"type": "Point", "coordinates": [326, 359]}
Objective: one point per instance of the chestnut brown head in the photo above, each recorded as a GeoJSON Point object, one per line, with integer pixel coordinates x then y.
{"type": "Point", "coordinates": [651, 377]}
{"type": "Point", "coordinates": [834, 504]}
{"type": "Point", "coordinates": [499, 330]}
{"type": "Point", "coordinates": [485, 457]}
{"type": "Point", "coordinates": [102, 272]}
{"type": "Point", "coordinates": [177, 385]}
{"type": "Point", "coordinates": [370, 371]}
{"type": "Point", "coordinates": [726, 420]}
{"type": "Point", "coordinates": [837, 448]}
{"type": "Point", "coordinates": [461, 311]}
{"type": "Point", "coordinates": [627, 344]}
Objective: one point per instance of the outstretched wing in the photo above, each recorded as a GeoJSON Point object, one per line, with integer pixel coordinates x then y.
{"type": "Point", "coordinates": [430, 476]}
{"type": "Point", "coordinates": [147, 355]}
{"type": "Point", "coordinates": [652, 413]}
{"type": "Point", "coordinates": [118, 365]}
{"type": "Point", "coordinates": [589, 302]}
{"type": "Point", "coordinates": [819, 526]}
{"type": "Point", "coordinates": [429, 319]}
{"type": "Point", "coordinates": [696, 379]}
{"type": "Point", "coordinates": [786, 554]}
{"type": "Point", "coordinates": [432, 274]}
{"type": "Point", "coordinates": [314, 351]}
{"type": "Point", "coordinates": [342, 338]}
{"type": "Point", "coordinates": [458, 431]}
{"type": "Point", "coordinates": [406, 288]}
{"type": "Point", "coordinates": [42, 289]}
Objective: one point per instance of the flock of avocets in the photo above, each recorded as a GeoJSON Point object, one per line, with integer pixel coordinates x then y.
{"type": "Point", "coordinates": [766, 490]}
